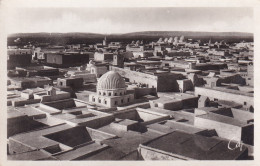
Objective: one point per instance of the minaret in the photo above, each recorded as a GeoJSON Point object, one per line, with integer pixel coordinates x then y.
{"type": "Point", "coordinates": [105, 41]}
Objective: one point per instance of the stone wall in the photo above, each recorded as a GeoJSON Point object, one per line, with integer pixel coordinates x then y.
{"type": "Point", "coordinates": [245, 100]}
{"type": "Point", "coordinates": [140, 92]}
{"type": "Point", "coordinates": [163, 83]}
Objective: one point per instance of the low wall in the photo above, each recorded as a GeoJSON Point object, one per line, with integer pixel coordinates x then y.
{"type": "Point", "coordinates": [225, 95]}
{"type": "Point", "coordinates": [223, 130]}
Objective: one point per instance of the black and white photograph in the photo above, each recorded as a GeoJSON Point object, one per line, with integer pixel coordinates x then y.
{"type": "Point", "coordinates": [129, 83]}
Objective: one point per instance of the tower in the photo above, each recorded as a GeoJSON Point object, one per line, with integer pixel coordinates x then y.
{"type": "Point", "coordinates": [105, 41]}
{"type": "Point", "coordinates": [118, 60]}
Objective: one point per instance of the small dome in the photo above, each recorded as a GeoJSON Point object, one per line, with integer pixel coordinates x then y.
{"type": "Point", "coordinates": [111, 80]}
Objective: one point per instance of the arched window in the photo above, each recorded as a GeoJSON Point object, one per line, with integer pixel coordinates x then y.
{"type": "Point", "coordinates": [104, 93]}
{"type": "Point", "coordinates": [93, 99]}
{"type": "Point", "coordinates": [109, 94]}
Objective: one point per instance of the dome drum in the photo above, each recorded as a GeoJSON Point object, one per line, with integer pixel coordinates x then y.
{"type": "Point", "coordinates": [117, 92]}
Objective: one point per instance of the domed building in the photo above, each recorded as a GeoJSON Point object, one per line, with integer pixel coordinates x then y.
{"type": "Point", "coordinates": [111, 91]}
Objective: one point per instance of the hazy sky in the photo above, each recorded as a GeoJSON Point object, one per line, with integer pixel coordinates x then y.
{"type": "Point", "coordinates": [123, 20]}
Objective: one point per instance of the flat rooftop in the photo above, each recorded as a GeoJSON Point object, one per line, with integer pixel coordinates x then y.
{"type": "Point", "coordinates": [130, 141]}
{"type": "Point", "coordinates": [192, 146]}
{"type": "Point", "coordinates": [37, 78]}
{"type": "Point", "coordinates": [225, 90]}
{"type": "Point", "coordinates": [175, 95]}
{"type": "Point", "coordinates": [222, 119]}
{"type": "Point", "coordinates": [38, 68]}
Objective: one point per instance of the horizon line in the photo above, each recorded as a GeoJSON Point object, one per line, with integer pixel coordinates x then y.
{"type": "Point", "coordinates": [130, 32]}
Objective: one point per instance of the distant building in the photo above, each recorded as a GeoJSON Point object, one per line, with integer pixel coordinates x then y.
{"type": "Point", "coordinates": [115, 45]}
{"type": "Point", "coordinates": [142, 54]}
{"type": "Point", "coordinates": [215, 54]}
{"type": "Point", "coordinates": [18, 58]}
{"type": "Point", "coordinates": [53, 49]}
{"type": "Point", "coordinates": [67, 59]}
{"type": "Point", "coordinates": [74, 46]}
{"type": "Point", "coordinates": [118, 60]}
{"type": "Point", "coordinates": [86, 75]}
{"type": "Point", "coordinates": [133, 66]}
{"type": "Point", "coordinates": [159, 49]}
{"type": "Point", "coordinates": [210, 66]}
{"type": "Point", "coordinates": [128, 55]}
{"type": "Point", "coordinates": [150, 63]}
{"type": "Point", "coordinates": [98, 69]}
{"type": "Point", "coordinates": [71, 82]}
{"type": "Point", "coordinates": [31, 82]}
{"type": "Point", "coordinates": [38, 54]}
{"type": "Point", "coordinates": [179, 64]}
{"type": "Point", "coordinates": [196, 81]}
{"type": "Point", "coordinates": [134, 48]}
{"type": "Point", "coordinates": [40, 70]}
{"type": "Point", "coordinates": [12, 47]}
{"type": "Point", "coordinates": [250, 75]}
{"type": "Point", "coordinates": [244, 45]}
{"type": "Point", "coordinates": [106, 56]}
{"type": "Point", "coordinates": [185, 85]}
{"type": "Point", "coordinates": [212, 81]}
{"type": "Point", "coordinates": [192, 45]}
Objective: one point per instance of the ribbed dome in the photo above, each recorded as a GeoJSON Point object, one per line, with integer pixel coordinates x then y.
{"type": "Point", "coordinates": [111, 80]}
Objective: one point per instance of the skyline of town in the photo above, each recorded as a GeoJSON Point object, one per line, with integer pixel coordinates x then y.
{"type": "Point", "coordinates": [169, 98]}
